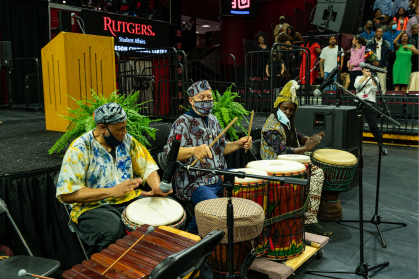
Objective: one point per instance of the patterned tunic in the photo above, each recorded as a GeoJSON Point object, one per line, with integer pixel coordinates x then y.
{"type": "Point", "coordinates": [274, 139]}
{"type": "Point", "coordinates": [88, 164]}
{"type": "Point", "coordinates": [194, 133]}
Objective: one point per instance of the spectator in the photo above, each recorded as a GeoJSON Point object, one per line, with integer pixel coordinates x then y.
{"type": "Point", "coordinates": [400, 4]}
{"type": "Point", "coordinates": [277, 73]}
{"type": "Point", "coordinates": [368, 34]}
{"type": "Point", "coordinates": [382, 24]}
{"type": "Point", "coordinates": [401, 19]}
{"type": "Point", "coordinates": [403, 64]}
{"type": "Point", "coordinates": [329, 60]}
{"type": "Point", "coordinates": [390, 36]}
{"type": "Point", "coordinates": [283, 38]}
{"type": "Point", "coordinates": [376, 15]}
{"type": "Point", "coordinates": [314, 49]}
{"type": "Point", "coordinates": [412, 21]}
{"type": "Point", "coordinates": [262, 57]}
{"type": "Point", "coordinates": [411, 12]}
{"type": "Point", "coordinates": [414, 76]}
{"type": "Point", "coordinates": [296, 38]}
{"type": "Point", "coordinates": [381, 49]}
{"type": "Point", "coordinates": [385, 7]}
{"type": "Point", "coordinates": [288, 57]}
{"type": "Point", "coordinates": [357, 56]}
{"type": "Point", "coordinates": [280, 28]}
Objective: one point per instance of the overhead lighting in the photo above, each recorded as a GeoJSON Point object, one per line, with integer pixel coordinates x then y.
{"type": "Point", "coordinates": [197, 31]}
{"type": "Point", "coordinates": [206, 25]}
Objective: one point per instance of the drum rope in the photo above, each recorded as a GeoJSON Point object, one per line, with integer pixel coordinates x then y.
{"type": "Point", "coordinates": [287, 215]}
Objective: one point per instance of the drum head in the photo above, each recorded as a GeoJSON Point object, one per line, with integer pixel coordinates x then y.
{"type": "Point", "coordinates": [277, 166]}
{"type": "Point", "coordinates": [249, 179]}
{"type": "Point", "coordinates": [335, 157]}
{"type": "Point", "coordinates": [296, 158]}
{"type": "Point", "coordinates": [154, 211]}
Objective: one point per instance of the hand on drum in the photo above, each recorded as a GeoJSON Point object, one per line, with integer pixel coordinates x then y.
{"type": "Point", "coordinates": [202, 151]}
{"type": "Point", "coordinates": [125, 187]}
{"type": "Point", "coordinates": [155, 193]}
{"type": "Point", "coordinates": [313, 141]}
{"type": "Point", "coordinates": [244, 143]}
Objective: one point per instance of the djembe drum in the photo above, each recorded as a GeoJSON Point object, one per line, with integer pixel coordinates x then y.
{"type": "Point", "coordinates": [303, 159]}
{"type": "Point", "coordinates": [248, 224]}
{"type": "Point", "coordinates": [140, 261]}
{"type": "Point", "coordinates": [154, 211]}
{"type": "Point", "coordinates": [339, 168]}
{"type": "Point", "coordinates": [286, 236]}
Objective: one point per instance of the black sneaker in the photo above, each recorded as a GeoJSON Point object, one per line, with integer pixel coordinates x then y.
{"type": "Point", "coordinates": [316, 228]}
{"type": "Point", "coordinates": [383, 150]}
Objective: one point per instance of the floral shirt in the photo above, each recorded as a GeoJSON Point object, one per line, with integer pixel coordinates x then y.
{"type": "Point", "coordinates": [274, 139]}
{"type": "Point", "coordinates": [88, 164]}
{"type": "Point", "coordinates": [195, 131]}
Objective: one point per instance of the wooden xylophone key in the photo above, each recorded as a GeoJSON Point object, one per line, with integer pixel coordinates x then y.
{"type": "Point", "coordinates": [150, 244]}
{"type": "Point", "coordinates": [79, 271]}
{"type": "Point", "coordinates": [165, 237]}
{"type": "Point", "coordinates": [97, 267]}
{"type": "Point", "coordinates": [137, 265]}
{"type": "Point", "coordinates": [142, 249]}
{"type": "Point", "coordinates": [155, 240]}
{"type": "Point", "coordinates": [118, 267]}
{"type": "Point", "coordinates": [134, 254]}
{"type": "Point", "coordinates": [177, 235]}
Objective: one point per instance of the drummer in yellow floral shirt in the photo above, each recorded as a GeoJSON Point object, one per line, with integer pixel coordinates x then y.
{"type": "Point", "coordinates": [97, 177]}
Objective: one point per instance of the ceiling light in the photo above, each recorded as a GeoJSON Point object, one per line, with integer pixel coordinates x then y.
{"type": "Point", "coordinates": [206, 25]}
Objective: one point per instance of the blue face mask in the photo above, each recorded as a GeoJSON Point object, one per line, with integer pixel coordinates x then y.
{"type": "Point", "coordinates": [282, 117]}
{"type": "Point", "coordinates": [204, 107]}
{"type": "Point", "coordinates": [111, 140]}
{"type": "Point", "coordinates": [394, 26]}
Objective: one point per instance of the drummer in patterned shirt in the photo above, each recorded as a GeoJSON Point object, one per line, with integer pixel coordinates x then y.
{"type": "Point", "coordinates": [199, 128]}
{"type": "Point", "coordinates": [98, 177]}
{"type": "Point", "coordinates": [279, 136]}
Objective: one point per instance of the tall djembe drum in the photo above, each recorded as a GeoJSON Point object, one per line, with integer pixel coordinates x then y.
{"type": "Point", "coordinates": [339, 168]}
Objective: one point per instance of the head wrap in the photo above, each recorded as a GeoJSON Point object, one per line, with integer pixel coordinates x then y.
{"type": "Point", "coordinates": [288, 94]}
{"type": "Point", "coordinates": [282, 17]}
{"type": "Point", "coordinates": [198, 87]}
{"type": "Point", "coordinates": [109, 113]}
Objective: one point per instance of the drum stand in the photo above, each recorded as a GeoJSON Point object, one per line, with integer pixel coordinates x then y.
{"type": "Point", "coordinates": [362, 268]}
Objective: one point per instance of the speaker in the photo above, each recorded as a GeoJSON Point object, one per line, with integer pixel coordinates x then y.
{"type": "Point", "coordinates": [5, 52]}
{"type": "Point", "coordinates": [341, 16]}
{"type": "Point", "coordinates": [340, 125]}
{"type": "Point", "coordinates": [64, 21]}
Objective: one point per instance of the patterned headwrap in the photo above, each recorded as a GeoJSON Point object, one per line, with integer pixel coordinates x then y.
{"type": "Point", "coordinates": [198, 87]}
{"type": "Point", "coordinates": [109, 113]}
{"type": "Point", "coordinates": [288, 94]}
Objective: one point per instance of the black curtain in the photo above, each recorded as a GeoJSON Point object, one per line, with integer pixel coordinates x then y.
{"type": "Point", "coordinates": [26, 24]}
{"type": "Point", "coordinates": [40, 217]}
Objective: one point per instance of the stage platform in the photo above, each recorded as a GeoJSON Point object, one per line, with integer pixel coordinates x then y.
{"type": "Point", "coordinates": [24, 146]}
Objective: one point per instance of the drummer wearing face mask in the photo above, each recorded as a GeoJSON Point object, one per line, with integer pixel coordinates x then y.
{"type": "Point", "coordinates": [280, 137]}
{"type": "Point", "coordinates": [199, 128]}
{"type": "Point", "coordinates": [100, 174]}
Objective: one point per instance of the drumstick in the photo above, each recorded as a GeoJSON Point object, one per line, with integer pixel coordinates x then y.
{"type": "Point", "coordinates": [250, 127]}
{"type": "Point", "coordinates": [23, 272]}
{"type": "Point", "coordinates": [149, 230]}
{"type": "Point", "coordinates": [219, 136]}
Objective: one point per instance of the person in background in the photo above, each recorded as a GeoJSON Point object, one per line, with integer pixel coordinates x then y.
{"type": "Point", "coordinates": [314, 49]}
{"type": "Point", "coordinates": [357, 56]}
{"type": "Point", "coordinates": [366, 88]}
{"type": "Point", "coordinates": [390, 36]}
{"type": "Point", "coordinates": [296, 38]}
{"type": "Point", "coordinates": [329, 60]}
{"type": "Point", "coordinates": [411, 12]}
{"type": "Point", "coordinates": [382, 24]}
{"type": "Point", "coordinates": [287, 57]}
{"type": "Point", "coordinates": [412, 21]}
{"type": "Point", "coordinates": [262, 57]}
{"type": "Point", "coordinates": [277, 72]}
{"type": "Point", "coordinates": [368, 34]}
{"type": "Point", "coordinates": [401, 19]}
{"type": "Point", "coordinates": [376, 15]}
{"type": "Point", "coordinates": [414, 76]}
{"type": "Point", "coordinates": [399, 4]}
{"type": "Point", "coordinates": [381, 49]}
{"type": "Point", "coordinates": [403, 65]}
{"type": "Point", "coordinates": [280, 28]}
{"type": "Point", "coordinates": [384, 6]}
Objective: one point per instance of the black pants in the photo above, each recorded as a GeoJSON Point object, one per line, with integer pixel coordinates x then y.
{"type": "Point", "coordinates": [371, 118]}
{"type": "Point", "coordinates": [352, 76]}
{"type": "Point", "coordinates": [390, 65]}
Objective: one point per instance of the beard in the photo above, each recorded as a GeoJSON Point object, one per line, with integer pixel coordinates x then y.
{"type": "Point", "coordinates": [333, 44]}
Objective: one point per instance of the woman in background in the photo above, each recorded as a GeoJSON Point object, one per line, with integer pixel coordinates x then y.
{"type": "Point", "coordinates": [401, 19]}
{"type": "Point", "coordinates": [403, 65]}
{"type": "Point", "coordinates": [357, 56]}
{"type": "Point", "coordinates": [314, 50]}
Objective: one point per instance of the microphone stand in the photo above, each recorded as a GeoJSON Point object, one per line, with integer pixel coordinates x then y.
{"type": "Point", "coordinates": [228, 184]}
{"type": "Point", "coordinates": [376, 219]}
{"type": "Point", "coordinates": [362, 268]}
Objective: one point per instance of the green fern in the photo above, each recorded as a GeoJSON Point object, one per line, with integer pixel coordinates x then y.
{"type": "Point", "coordinates": [81, 119]}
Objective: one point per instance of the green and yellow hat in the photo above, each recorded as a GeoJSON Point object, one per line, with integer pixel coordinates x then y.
{"type": "Point", "coordinates": [288, 94]}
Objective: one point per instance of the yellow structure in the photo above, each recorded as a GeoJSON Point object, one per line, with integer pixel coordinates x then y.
{"type": "Point", "coordinates": [72, 65]}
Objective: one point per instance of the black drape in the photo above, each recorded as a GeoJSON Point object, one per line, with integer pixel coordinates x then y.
{"type": "Point", "coordinates": [25, 24]}
{"type": "Point", "coordinates": [40, 217]}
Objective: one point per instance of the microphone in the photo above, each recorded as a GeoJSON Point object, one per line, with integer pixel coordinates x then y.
{"type": "Point", "coordinates": [78, 21]}
{"type": "Point", "coordinates": [326, 82]}
{"type": "Point", "coordinates": [166, 183]}
{"type": "Point", "coordinates": [372, 68]}
{"type": "Point", "coordinates": [74, 15]}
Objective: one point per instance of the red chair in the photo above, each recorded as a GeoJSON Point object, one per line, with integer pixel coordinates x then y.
{"type": "Point", "coordinates": [395, 93]}
{"type": "Point", "coordinates": [413, 93]}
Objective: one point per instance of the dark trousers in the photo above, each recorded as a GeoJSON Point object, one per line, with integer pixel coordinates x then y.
{"type": "Point", "coordinates": [371, 118]}
{"type": "Point", "coordinates": [352, 76]}
{"type": "Point", "coordinates": [391, 61]}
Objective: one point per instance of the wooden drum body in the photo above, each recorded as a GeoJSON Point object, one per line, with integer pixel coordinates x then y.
{"type": "Point", "coordinates": [248, 224]}
{"type": "Point", "coordinates": [286, 236]}
{"type": "Point", "coordinates": [339, 168]}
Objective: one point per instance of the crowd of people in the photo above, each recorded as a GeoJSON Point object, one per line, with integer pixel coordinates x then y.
{"type": "Point", "coordinates": [389, 40]}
